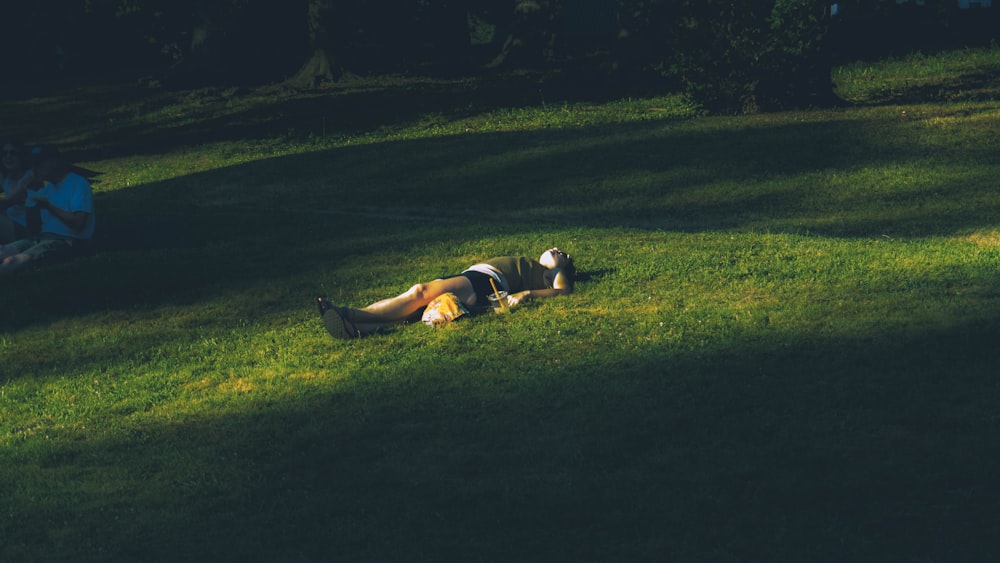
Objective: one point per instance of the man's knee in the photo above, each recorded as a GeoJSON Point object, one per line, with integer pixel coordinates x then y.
{"type": "Point", "coordinates": [11, 263]}
{"type": "Point", "coordinates": [17, 259]}
{"type": "Point", "coordinates": [418, 291]}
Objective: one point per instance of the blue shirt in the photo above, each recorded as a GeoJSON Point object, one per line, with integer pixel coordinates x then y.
{"type": "Point", "coordinates": [72, 194]}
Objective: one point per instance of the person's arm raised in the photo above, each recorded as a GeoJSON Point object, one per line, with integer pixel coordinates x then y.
{"type": "Point", "coordinates": [18, 191]}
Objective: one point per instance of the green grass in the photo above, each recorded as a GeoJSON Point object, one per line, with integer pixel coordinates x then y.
{"type": "Point", "coordinates": [784, 347]}
{"type": "Point", "coordinates": [965, 75]}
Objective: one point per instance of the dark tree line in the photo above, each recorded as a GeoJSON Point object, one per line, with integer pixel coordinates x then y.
{"type": "Point", "coordinates": [733, 55]}
{"type": "Point", "coordinates": [867, 29]}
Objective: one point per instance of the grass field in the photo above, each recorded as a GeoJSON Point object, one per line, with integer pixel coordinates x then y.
{"type": "Point", "coordinates": [784, 346]}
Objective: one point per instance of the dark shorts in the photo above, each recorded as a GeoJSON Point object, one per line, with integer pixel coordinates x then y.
{"type": "Point", "coordinates": [11, 230]}
{"type": "Point", "coordinates": [481, 285]}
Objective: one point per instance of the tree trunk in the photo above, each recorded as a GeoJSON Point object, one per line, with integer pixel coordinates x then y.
{"type": "Point", "coordinates": [531, 37]}
{"type": "Point", "coordinates": [205, 50]}
{"type": "Point", "coordinates": [201, 60]}
{"type": "Point", "coordinates": [317, 71]}
{"type": "Point", "coordinates": [322, 66]}
{"type": "Point", "coordinates": [820, 90]}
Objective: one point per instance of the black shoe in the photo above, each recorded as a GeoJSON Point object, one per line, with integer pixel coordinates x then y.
{"type": "Point", "coordinates": [339, 322]}
{"type": "Point", "coordinates": [323, 305]}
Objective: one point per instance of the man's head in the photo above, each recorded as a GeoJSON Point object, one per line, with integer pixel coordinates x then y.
{"type": "Point", "coordinates": [12, 157]}
{"type": "Point", "coordinates": [555, 258]}
{"type": "Point", "coordinates": [562, 264]}
{"type": "Point", "coordinates": [47, 163]}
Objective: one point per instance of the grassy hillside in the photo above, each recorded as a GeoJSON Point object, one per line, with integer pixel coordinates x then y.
{"type": "Point", "coordinates": [783, 347]}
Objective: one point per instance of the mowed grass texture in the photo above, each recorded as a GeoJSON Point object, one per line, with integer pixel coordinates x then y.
{"type": "Point", "coordinates": [783, 346]}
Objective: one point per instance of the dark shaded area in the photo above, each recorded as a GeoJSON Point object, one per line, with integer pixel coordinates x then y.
{"type": "Point", "coordinates": [752, 56]}
{"type": "Point", "coordinates": [784, 457]}
{"type": "Point", "coordinates": [112, 117]}
{"type": "Point", "coordinates": [875, 30]}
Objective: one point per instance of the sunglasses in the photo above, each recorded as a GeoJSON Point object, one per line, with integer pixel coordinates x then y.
{"type": "Point", "coordinates": [10, 152]}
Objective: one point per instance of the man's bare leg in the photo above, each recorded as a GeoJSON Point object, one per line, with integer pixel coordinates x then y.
{"type": "Point", "coordinates": [403, 306]}
{"type": "Point", "coordinates": [9, 264]}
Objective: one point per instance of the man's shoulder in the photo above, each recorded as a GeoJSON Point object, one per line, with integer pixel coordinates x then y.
{"type": "Point", "coordinates": [74, 182]}
{"type": "Point", "coordinates": [77, 179]}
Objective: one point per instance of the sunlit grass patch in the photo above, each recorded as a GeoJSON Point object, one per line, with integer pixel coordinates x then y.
{"type": "Point", "coordinates": [949, 76]}
{"type": "Point", "coordinates": [988, 238]}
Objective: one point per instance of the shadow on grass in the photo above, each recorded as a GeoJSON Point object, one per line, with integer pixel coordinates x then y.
{"type": "Point", "coordinates": [778, 176]}
{"type": "Point", "coordinates": [118, 120]}
{"type": "Point", "coordinates": [980, 86]}
{"type": "Point", "coordinates": [756, 452]}
{"type": "Point", "coordinates": [781, 177]}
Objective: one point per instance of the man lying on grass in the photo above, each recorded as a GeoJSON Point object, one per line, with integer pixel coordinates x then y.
{"type": "Point", "coordinates": [60, 213]}
{"type": "Point", "coordinates": [519, 277]}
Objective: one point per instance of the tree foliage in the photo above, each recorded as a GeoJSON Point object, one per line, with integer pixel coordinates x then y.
{"type": "Point", "coordinates": [743, 56]}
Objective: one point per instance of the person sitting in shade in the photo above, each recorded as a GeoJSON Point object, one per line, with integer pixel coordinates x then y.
{"type": "Point", "coordinates": [522, 278]}
{"type": "Point", "coordinates": [15, 175]}
{"type": "Point", "coordinates": [59, 212]}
